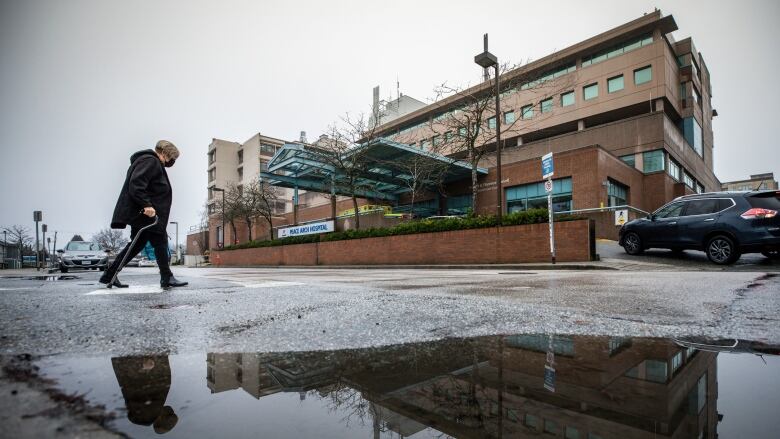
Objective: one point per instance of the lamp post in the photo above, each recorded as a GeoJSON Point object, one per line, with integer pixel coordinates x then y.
{"type": "Point", "coordinates": [220, 245]}
{"type": "Point", "coordinates": [178, 255]}
{"type": "Point", "coordinates": [486, 60]}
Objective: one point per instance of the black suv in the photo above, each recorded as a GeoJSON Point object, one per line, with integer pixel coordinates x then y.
{"type": "Point", "coordinates": [723, 224]}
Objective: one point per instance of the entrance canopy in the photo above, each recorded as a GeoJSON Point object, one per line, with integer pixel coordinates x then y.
{"type": "Point", "coordinates": [384, 164]}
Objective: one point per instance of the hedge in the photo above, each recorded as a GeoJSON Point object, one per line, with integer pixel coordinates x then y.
{"type": "Point", "coordinates": [532, 216]}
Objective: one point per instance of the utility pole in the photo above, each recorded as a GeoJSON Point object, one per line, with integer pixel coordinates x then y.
{"type": "Point", "coordinates": [485, 60]}
{"type": "Point", "coordinates": [44, 227]}
{"type": "Point", "coordinates": [54, 246]}
{"type": "Point", "coordinates": [178, 253]}
{"type": "Point", "coordinates": [37, 217]}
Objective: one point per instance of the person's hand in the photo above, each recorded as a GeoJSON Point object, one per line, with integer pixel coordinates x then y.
{"type": "Point", "coordinates": [149, 211]}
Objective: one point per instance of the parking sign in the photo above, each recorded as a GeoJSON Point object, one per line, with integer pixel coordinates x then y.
{"type": "Point", "coordinates": [547, 165]}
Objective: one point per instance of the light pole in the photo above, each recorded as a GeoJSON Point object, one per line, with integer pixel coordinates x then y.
{"type": "Point", "coordinates": [221, 244]}
{"type": "Point", "coordinates": [487, 59]}
{"type": "Point", "coordinates": [178, 255]}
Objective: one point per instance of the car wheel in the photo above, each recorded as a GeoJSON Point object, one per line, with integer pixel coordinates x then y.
{"type": "Point", "coordinates": [772, 254]}
{"type": "Point", "coordinates": [632, 243]}
{"type": "Point", "coordinates": [721, 250]}
{"type": "Point", "coordinates": [63, 269]}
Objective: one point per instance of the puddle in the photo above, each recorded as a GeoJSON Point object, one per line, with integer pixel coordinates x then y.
{"type": "Point", "coordinates": [503, 386]}
{"type": "Point", "coordinates": [48, 278]}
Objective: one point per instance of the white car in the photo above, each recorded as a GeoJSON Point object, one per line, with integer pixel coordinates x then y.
{"type": "Point", "coordinates": [82, 255]}
{"type": "Point", "coordinates": [146, 262]}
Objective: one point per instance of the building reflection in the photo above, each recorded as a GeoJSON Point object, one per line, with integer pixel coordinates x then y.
{"type": "Point", "coordinates": [494, 386]}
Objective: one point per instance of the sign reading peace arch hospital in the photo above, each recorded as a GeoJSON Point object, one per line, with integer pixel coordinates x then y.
{"type": "Point", "coordinates": [307, 229]}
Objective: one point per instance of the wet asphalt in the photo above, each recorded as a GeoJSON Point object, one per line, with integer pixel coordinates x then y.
{"type": "Point", "coordinates": [287, 309]}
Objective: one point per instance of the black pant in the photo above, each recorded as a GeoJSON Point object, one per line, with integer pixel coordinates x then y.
{"type": "Point", "coordinates": [156, 236]}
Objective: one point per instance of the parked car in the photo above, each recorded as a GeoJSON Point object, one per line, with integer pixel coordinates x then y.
{"type": "Point", "coordinates": [724, 225]}
{"type": "Point", "coordinates": [82, 255]}
{"type": "Point", "coordinates": [146, 262]}
{"type": "Point", "coordinates": [134, 262]}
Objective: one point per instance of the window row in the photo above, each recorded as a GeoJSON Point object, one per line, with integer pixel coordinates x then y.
{"type": "Point", "coordinates": [550, 426]}
{"type": "Point", "coordinates": [658, 160]}
{"type": "Point", "coordinates": [617, 50]}
{"type": "Point", "coordinates": [533, 196]}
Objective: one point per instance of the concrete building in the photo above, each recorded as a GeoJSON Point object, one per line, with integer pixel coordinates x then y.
{"type": "Point", "coordinates": [754, 183]}
{"type": "Point", "coordinates": [627, 114]}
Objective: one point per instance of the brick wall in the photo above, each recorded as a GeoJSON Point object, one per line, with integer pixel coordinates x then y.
{"type": "Point", "coordinates": [495, 245]}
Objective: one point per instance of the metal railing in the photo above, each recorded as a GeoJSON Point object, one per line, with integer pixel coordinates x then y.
{"type": "Point", "coordinates": [603, 209]}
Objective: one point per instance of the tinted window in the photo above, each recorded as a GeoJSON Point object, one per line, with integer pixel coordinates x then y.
{"type": "Point", "coordinates": [725, 203]}
{"type": "Point", "coordinates": [669, 211]}
{"type": "Point", "coordinates": [768, 201]}
{"type": "Point", "coordinates": [701, 207]}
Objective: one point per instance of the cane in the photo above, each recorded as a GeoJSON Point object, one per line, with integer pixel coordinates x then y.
{"type": "Point", "coordinates": [127, 253]}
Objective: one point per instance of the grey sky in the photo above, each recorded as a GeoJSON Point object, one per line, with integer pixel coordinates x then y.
{"type": "Point", "coordinates": [83, 84]}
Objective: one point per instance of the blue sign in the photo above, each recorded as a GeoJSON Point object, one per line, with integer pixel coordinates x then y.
{"type": "Point", "coordinates": [547, 165]}
{"type": "Point", "coordinates": [308, 229]}
{"type": "Point", "coordinates": [549, 378]}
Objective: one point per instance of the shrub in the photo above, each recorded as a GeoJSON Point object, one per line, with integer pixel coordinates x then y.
{"type": "Point", "coordinates": [532, 216]}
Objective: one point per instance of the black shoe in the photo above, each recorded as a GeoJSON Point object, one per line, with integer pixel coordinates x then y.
{"type": "Point", "coordinates": [172, 282]}
{"type": "Point", "coordinates": [106, 279]}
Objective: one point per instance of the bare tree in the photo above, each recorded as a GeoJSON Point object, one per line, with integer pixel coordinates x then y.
{"type": "Point", "coordinates": [466, 125]}
{"type": "Point", "coordinates": [232, 208]}
{"type": "Point", "coordinates": [200, 239]}
{"type": "Point", "coordinates": [19, 235]}
{"type": "Point", "coordinates": [345, 153]}
{"type": "Point", "coordinates": [110, 239]}
{"type": "Point", "coordinates": [421, 173]}
{"type": "Point", "coordinates": [258, 201]}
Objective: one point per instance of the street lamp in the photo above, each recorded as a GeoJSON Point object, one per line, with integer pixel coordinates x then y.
{"type": "Point", "coordinates": [485, 60]}
{"type": "Point", "coordinates": [178, 256]}
{"type": "Point", "coordinates": [222, 244]}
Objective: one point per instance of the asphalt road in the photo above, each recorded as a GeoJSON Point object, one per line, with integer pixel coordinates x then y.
{"type": "Point", "coordinates": [282, 309]}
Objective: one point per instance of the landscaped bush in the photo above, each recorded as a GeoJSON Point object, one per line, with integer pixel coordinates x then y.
{"type": "Point", "coordinates": [532, 216]}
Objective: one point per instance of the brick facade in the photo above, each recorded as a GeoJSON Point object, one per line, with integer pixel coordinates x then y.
{"type": "Point", "coordinates": [495, 245]}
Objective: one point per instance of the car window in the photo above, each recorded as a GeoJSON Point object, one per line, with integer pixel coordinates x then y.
{"type": "Point", "coordinates": [701, 207]}
{"type": "Point", "coordinates": [724, 203]}
{"type": "Point", "coordinates": [766, 200]}
{"type": "Point", "coordinates": [669, 211]}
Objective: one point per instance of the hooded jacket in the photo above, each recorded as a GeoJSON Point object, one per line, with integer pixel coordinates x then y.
{"type": "Point", "coordinates": [146, 184]}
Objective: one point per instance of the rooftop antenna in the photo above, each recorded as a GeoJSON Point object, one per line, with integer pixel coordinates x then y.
{"type": "Point", "coordinates": [397, 88]}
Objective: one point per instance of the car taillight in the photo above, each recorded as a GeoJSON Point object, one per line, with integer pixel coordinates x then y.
{"type": "Point", "coordinates": [758, 212]}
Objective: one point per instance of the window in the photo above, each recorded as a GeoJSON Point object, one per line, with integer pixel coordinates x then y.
{"type": "Point", "coordinates": [509, 117]}
{"type": "Point", "coordinates": [688, 180]}
{"type": "Point", "coordinates": [615, 84]}
{"type": "Point", "coordinates": [448, 137]}
{"type": "Point", "coordinates": [549, 75]}
{"type": "Point", "coordinates": [676, 362]}
{"type": "Point", "coordinates": [263, 166]}
{"type": "Point", "coordinates": [436, 140]}
{"type": "Point", "coordinates": [550, 426]}
{"type": "Point", "coordinates": [541, 343]}
{"type": "Point", "coordinates": [211, 193]}
{"type": "Point", "coordinates": [458, 205]}
{"type": "Point", "coordinates": [693, 134]}
{"type": "Point", "coordinates": [527, 112]}
{"type": "Point", "coordinates": [546, 105]}
{"type": "Point", "coordinates": [674, 169]}
{"type": "Point", "coordinates": [590, 91]}
{"type": "Point", "coordinates": [567, 99]}
{"type": "Point", "coordinates": [683, 90]}
{"type": "Point", "coordinates": [643, 75]}
{"type": "Point", "coordinates": [212, 156]}
{"type": "Point", "coordinates": [267, 149]}
{"type": "Point", "coordinates": [696, 96]}
{"type": "Point", "coordinates": [530, 421]}
{"type": "Point", "coordinates": [670, 210]}
{"type": "Point", "coordinates": [240, 156]}
{"type": "Point", "coordinates": [533, 196]}
{"type": "Point", "coordinates": [701, 207]}
{"type": "Point", "coordinates": [462, 132]}
{"type": "Point", "coordinates": [594, 436]}
{"type": "Point", "coordinates": [212, 174]}
{"type": "Point", "coordinates": [649, 370]}
{"type": "Point", "coordinates": [653, 160]}
{"type": "Point", "coordinates": [572, 433]}
{"type": "Point", "coordinates": [617, 50]}
{"type": "Point", "coordinates": [629, 159]}
{"type": "Point", "coordinates": [425, 144]}
{"type": "Point", "coordinates": [617, 194]}
{"type": "Point", "coordinates": [699, 188]}
{"type": "Point", "coordinates": [492, 123]}
{"type": "Point", "coordinates": [240, 174]}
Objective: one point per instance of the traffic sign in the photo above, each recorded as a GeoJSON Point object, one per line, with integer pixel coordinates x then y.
{"type": "Point", "coordinates": [547, 165]}
{"type": "Point", "coordinates": [621, 217]}
{"type": "Point", "coordinates": [548, 186]}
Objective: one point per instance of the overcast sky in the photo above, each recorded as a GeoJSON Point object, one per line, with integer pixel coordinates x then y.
{"type": "Point", "coordinates": [83, 84]}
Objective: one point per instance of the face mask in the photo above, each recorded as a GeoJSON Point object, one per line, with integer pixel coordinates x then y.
{"type": "Point", "coordinates": [170, 163]}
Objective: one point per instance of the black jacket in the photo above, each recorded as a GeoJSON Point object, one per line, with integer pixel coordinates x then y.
{"type": "Point", "coordinates": [146, 184]}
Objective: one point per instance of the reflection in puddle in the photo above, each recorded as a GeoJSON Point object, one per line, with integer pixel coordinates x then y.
{"type": "Point", "coordinates": [499, 387]}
